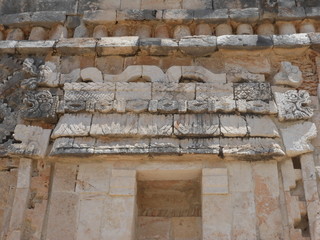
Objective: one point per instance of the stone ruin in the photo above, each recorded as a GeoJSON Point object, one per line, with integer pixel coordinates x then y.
{"type": "Point", "coordinates": [159, 120]}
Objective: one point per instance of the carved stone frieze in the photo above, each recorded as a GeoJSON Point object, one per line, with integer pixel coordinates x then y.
{"type": "Point", "coordinates": [252, 91]}
{"type": "Point", "coordinates": [292, 105]}
{"type": "Point", "coordinates": [40, 105]}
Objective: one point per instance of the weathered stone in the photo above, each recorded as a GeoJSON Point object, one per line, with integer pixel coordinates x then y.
{"type": "Point", "coordinates": [73, 125]}
{"type": "Point", "coordinates": [84, 46]}
{"type": "Point", "coordinates": [215, 181]}
{"type": "Point", "coordinates": [244, 42]}
{"type": "Point", "coordinates": [266, 29]}
{"type": "Point", "coordinates": [200, 145]}
{"type": "Point", "coordinates": [91, 74]}
{"type": "Point", "coordinates": [203, 29]}
{"type": "Point", "coordinates": [252, 91]}
{"type": "Point", "coordinates": [65, 177]}
{"type": "Point", "coordinates": [214, 16]}
{"type": "Point", "coordinates": [114, 124]}
{"type": "Point", "coordinates": [100, 31]}
{"type": "Point", "coordinates": [35, 47]}
{"type": "Point", "coordinates": [250, 14]}
{"type": "Point", "coordinates": [15, 34]}
{"type": "Point", "coordinates": [173, 91]}
{"type": "Point", "coordinates": [136, 14]}
{"type": "Point", "coordinates": [127, 146]}
{"type": "Point", "coordinates": [123, 183]}
{"type": "Point", "coordinates": [254, 124]}
{"type": "Point", "coordinates": [196, 125]}
{"type": "Point", "coordinates": [34, 140]}
{"type": "Point", "coordinates": [177, 14]}
{"type": "Point", "coordinates": [286, 28]}
{"type": "Point", "coordinates": [288, 75]}
{"type": "Point", "coordinates": [24, 173]}
{"type": "Point", "coordinates": [144, 31]}
{"type": "Point", "coordinates": [73, 76]}
{"type": "Point", "coordinates": [240, 74]}
{"type": "Point", "coordinates": [38, 33]}
{"type": "Point", "coordinates": [58, 32]}
{"type": "Point", "coordinates": [223, 29]}
{"type": "Point", "coordinates": [307, 27]}
{"type": "Point", "coordinates": [155, 226]}
{"type": "Point", "coordinates": [81, 31]}
{"type": "Point", "coordinates": [300, 40]}
{"type": "Point", "coordinates": [198, 46]}
{"type": "Point", "coordinates": [155, 125]}
{"type": "Point", "coordinates": [117, 45]}
{"type": "Point", "coordinates": [181, 31]}
{"type": "Point", "coordinates": [296, 138]}
{"type": "Point", "coordinates": [292, 105]}
{"type": "Point", "coordinates": [99, 16]}
{"type": "Point", "coordinates": [164, 145]}
{"type": "Point", "coordinates": [161, 31]}
{"type": "Point", "coordinates": [233, 126]}
{"type": "Point", "coordinates": [133, 90]}
{"type": "Point", "coordinates": [244, 29]}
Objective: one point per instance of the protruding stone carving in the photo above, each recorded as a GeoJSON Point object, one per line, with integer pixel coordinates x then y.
{"type": "Point", "coordinates": [40, 105]}
{"type": "Point", "coordinates": [8, 121]}
{"type": "Point", "coordinates": [289, 75]}
{"type": "Point", "coordinates": [297, 137]}
{"type": "Point", "coordinates": [49, 74]}
{"type": "Point", "coordinates": [91, 74]}
{"type": "Point", "coordinates": [292, 105]}
{"type": "Point", "coordinates": [34, 140]}
{"type": "Point", "coordinates": [252, 91]}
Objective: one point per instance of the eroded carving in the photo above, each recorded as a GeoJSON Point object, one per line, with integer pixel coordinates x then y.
{"type": "Point", "coordinates": [292, 105]}
{"type": "Point", "coordinates": [252, 91]}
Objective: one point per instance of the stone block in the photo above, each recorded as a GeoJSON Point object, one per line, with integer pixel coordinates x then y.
{"type": "Point", "coordinates": [24, 173]}
{"type": "Point", "coordinates": [100, 31]}
{"type": "Point", "coordinates": [152, 73]}
{"type": "Point", "coordinates": [118, 218]}
{"type": "Point", "coordinates": [164, 145]}
{"type": "Point", "coordinates": [211, 16]}
{"type": "Point", "coordinates": [93, 178]}
{"type": "Point", "coordinates": [151, 227]}
{"type": "Point", "coordinates": [90, 217]}
{"type": "Point", "coordinates": [114, 124]}
{"type": "Point", "coordinates": [65, 177]}
{"type": "Point", "coordinates": [19, 206]}
{"type": "Point", "coordinates": [35, 47]}
{"type": "Point", "coordinates": [244, 15]}
{"type": "Point", "coordinates": [136, 106]}
{"type": "Point", "coordinates": [8, 47]}
{"type": "Point", "coordinates": [288, 175]}
{"type": "Point", "coordinates": [123, 182]}
{"type": "Point", "coordinates": [15, 18]}
{"type": "Point", "coordinates": [15, 34]}
{"type": "Point", "coordinates": [58, 32]}
{"type": "Point", "coordinates": [100, 16]}
{"type": "Point", "coordinates": [233, 126]}
{"type": "Point", "coordinates": [130, 4]}
{"type": "Point", "coordinates": [200, 145]}
{"type": "Point", "coordinates": [315, 40]}
{"type": "Point", "coordinates": [252, 91]}
{"type": "Point", "coordinates": [155, 125]}
{"type": "Point", "coordinates": [133, 90]}
{"type": "Point", "coordinates": [173, 91]}
{"type": "Point", "coordinates": [198, 4]}
{"type": "Point", "coordinates": [127, 146]}
{"type": "Point", "coordinates": [181, 31]}
{"type": "Point", "coordinates": [297, 137]}
{"type": "Point", "coordinates": [136, 14]}
{"type": "Point", "coordinates": [244, 29]}
{"type": "Point", "coordinates": [216, 217]}
{"type": "Point", "coordinates": [48, 18]}
{"type": "Point", "coordinates": [288, 75]}
{"type": "Point", "coordinates": [269, 128]}
{"type": "Point", "coordinates": [196, 125]}
{"type": "Point", "coordinates": [243, 216]}
{"type": "Point", "coordinates": [177, 15]}
{"type": "Point", "coordinates": [73, 125]}
{"type": "Point", "coordinates": [291, 41]}
{"type": "Point", "coordinates": [118, 46]}
{"type": "Point", "coordinates": [266, 192]}
{"type": "Point", "coordinates": [197, 74]}
{"type": "Point", "coordinates": [34, 140]}
{"type": "Point", "coordinates": [63, 216]}
{"type": "Point", "coordinates": [75, 46]}
{"type": "Point", "coordinates": [244, 42]}
{"type": "Point", "coordinates": [240, 176]}
{"type": "Point", "coordinates": [215, 181]}
{"type": "Point", "coordinates": [73, 76]}
{"type": "Point", "coordinates": [81, 31]}
{"type": "Point", "coordinates": [91, 74]}
{"type": "Point", "coordinates": [291, 13]}
{"type": "Point", "coordinates": [186, 228]}
{"type": "Point", "coordinates": [198, 46]}
{"type": "Point", "coordinates": [203, 29]}
{"type": "Point", "coordinates": [158, 46]}
{"type": "Point", "coordinates": [38, 33]}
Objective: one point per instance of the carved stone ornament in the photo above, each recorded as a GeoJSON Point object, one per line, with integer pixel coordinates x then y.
{"type": "Point", "coordinates": [252, 91]}
{"type": "Point", "coordinates": [292, 105]}
{"type": "Point", "coordinates": [40, 105]}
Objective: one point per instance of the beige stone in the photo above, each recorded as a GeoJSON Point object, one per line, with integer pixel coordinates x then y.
{"type": "Point", "coordinates": [100, 31]}
{"type": "Point", "coordinates": [121, 31]}
{"type": "Point", "coordinates": [244, 29]}
{"type": "Point", "coordinates": [81, 31]}
{"type": "Point", "coordinates": [24, 173]}
{"type": "Point", "coordinates": [288, 75]}
{"type": "Point", "coordinates": [91, 74]}
{"type": "Point", "coordinates": [286, 28]}
{"type": "Point", "coordinates": [58, 32]}
{"type": "Point", "coordinates": [173, 91]}
{"type": "Point", "coordinates": [64, 178]}
{"type": "Point", "coordinates": [93, 178]}
{"type": "Point", "coordinates": [161, 31]}
{"type": "Point", "coordinates": [203, 29]}
{"type": "Point", "coordinates": [269, 128]}
{"type": "Point", "coordinates": [155, 125]}
{"type": "Point", "coordinates": [73, 125]}
{"type": "Point", "coordinates": [232, 126]}
{"type": "Point", "coordinates": [223, 29]}
{"type": "Point", "coordinates": [240, 176]}
{"type": "Point", "coordinates": [63, 215]}
{"type": "Point", "coordinates": [19, 206]}
{"type": "Point", "coordinates": [307, 27]}
{"type": "Point", "coordinates": [15, 34]}
{"type": "Point", "coordinates": [181, 31]}
{"type": "Point", "coordinates": [186, 228]}
{"type": "Point", "coordinates": [154, 227]}
{"type": "Point", "coordinates": [288, 175]}
{"type": "Point", "coordinates": [133, 90]}
{"type": "Point", "coordinates": [144, 31]}
{"type": "Point", "coordinates": [266, 29]}
{"type": "Point", "coordinates": [38, 33]}
{"type": "Point", "coordinates": [215, 181]}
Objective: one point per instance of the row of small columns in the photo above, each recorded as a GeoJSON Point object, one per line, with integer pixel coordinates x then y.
{"type": "Point", "coordinates": [160, 31]}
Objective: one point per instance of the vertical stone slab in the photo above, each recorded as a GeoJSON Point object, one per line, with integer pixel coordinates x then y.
{"type": "Point", "coordinates": [244, 212]}
{"type": "Point", "coordinates": [266, 190]}
{"type": "Point", "coordinates": [63, 215]}
{"type": "Point", "coordinates": [21, 199]}
{"type": "Point", "coordinates": [216, 206]}
{"type": "Point", "coordinates": [90, 216]}
{"type": "Point", "coordinates": [120, 206]}
{"type": "Point", "coordinates": [311, 192]}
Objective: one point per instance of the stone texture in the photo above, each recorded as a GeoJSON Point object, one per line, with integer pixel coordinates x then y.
{"type": "Point", "coordinates": [123, 45]}
{"type": "Point", "coordinates": [91, 74]}
{"type": "Point", "coordinates": [233, 126]}
{"type": "Point", "coordinates": [288, 75]}
{"type": "Point", "coordinates": [215, 181]}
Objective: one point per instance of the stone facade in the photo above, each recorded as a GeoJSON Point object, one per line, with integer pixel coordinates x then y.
{"type": "Point", "coordinates": [157, 119]}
